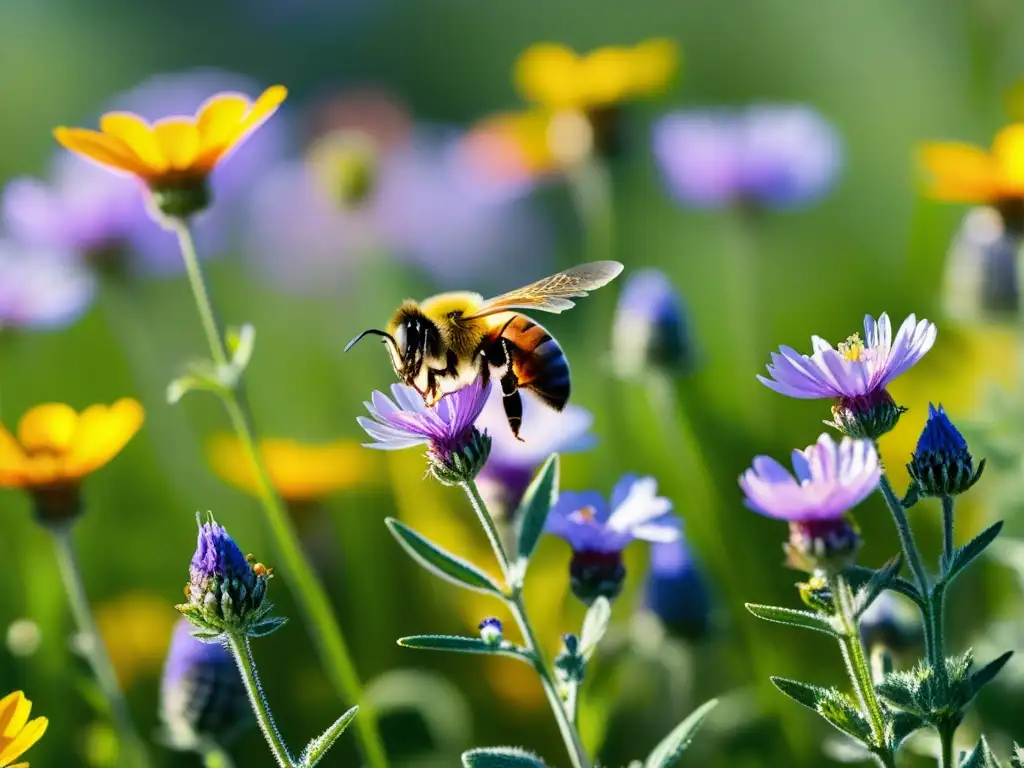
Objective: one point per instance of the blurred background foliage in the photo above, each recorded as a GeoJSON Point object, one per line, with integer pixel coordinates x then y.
{"type": "Point", "coordinates": [887, 75]}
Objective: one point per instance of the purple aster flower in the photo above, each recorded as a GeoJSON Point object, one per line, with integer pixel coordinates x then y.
{"type": "Point", "coordinates": [676, 590]}
{"type": "Point", "coordinates": [598, 531]}
{"type": "Point", "coordinates": [942, 465]}
{"type": "Point", "coordinates": [511, 464]}
{"type": "Point", "coordinates": [856, 373]}
{"type": "Point", "coordinates": [981, 276]}
{"type": "Point", "coordinates": [651, 331]}
{"type": "Point", "coordinates": [456, 449]}
{"type": "Point", "coordinates": [83, 208]}
{"type": "Point", "coordinates": [829, 481]}
{"type": "Point", "coordinates": [41, 288]}
{"type": "Point", "coordinates": [775, 156]}
{"type": "Point", "coordinates": [202, 696]}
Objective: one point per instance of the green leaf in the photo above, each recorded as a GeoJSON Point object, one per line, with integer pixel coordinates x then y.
{"type": "Point", "coordinates": [318, 747]}
{"type": "Point", "coordinates": [909, 691]}
{"type": "Point", "coordinates": [878, 583]}
{"type": "Point", "coordinates": [970, 551]}
{"type": "Point", "coordinates": [533, 511]}
{"type": "Point", "coordinates": [457, 644]}
{"type": "Point", "coordinates": [594, 626]}
{"type": "Point", "coordinates": [793, 618]}
{"type": "Point", "coordinates": [671, 748]}
{"type": "Point", "coordinates": [858, 576]}
{"type": "Point", "coordinates": [981, 757]}
{"type": "Point", "coordinates": [899, 726]}
{"type": "Point", "coordinates": [830, 703]}
{"type": "Point", "coordinates": [985, 675]}
{"type": "Point", "coordinates": [501, 757]}
{"type": "Point", "coordinates": [441, 563]}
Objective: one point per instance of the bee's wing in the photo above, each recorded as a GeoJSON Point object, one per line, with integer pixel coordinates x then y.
{"type": "Point", "coordinates": [552, 294]}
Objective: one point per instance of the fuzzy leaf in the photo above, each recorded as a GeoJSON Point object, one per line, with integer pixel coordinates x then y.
{"type": "Point", "coordinates": [858, 576]}
{"type": "Point", "coordinates": [878, 583]}
{"type": "Point", "coordinates": [985, 675]}
{"type": "Point", "coordinates": [441, 563]}
{"type": "Point", "coordinates": [981, 757]}
{"type": "Point", "coordinates": [909, 691]}
{"type": "Point", "coordinates": [970, 551]}
{"type": "Point", "coordinates": [533, 511]}
{"type": "Point", "coordinates": [668, 753]}
{"type": "Point", "coordinates": [900, 726]}
{"type": "Point", "coordinates": [459, 644]}
{"type": "Point", "coordinates": [794, 618]}
{"type": "Point", "coordinates": [501, 757]}
{"type": "Point", "coordinates": [318, 747]}
{"type": "Point", "coordinates": [830, 703]}
{"type": "Point", "coordinates": [1017, 758]}
{"type": "Point", "coordinates": [594, 626]}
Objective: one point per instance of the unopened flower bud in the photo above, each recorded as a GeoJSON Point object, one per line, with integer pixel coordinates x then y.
{"type": "Point", "coordinates": [866, 416]}
{"type": "Point", "coordinates": [651, 332]}
{"type": "Point", "coordinates": [491, 631]}
{"type": "Point", "coordinates": [828, 545]}
{"type": "Point", "coordinates": [594, 574]}
{"type": "Point", "coordinates": [942, 465]}
{"type": "Point", "coordinates": [570, 665]}
{"type": "Point", "coordinates": [346, 164]}
{"type": "Point", "coordinates": [177, 203]}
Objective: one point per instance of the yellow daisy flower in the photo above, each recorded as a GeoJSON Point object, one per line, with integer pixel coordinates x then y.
{"type": "Point", "coordinates": [174, 155]}
{"type": "Point", "coordinates": [17, 732]}
{"type": "Point", "coordinates": [965, 173]}
{"type": "Point", "coordinates": [136, 629]}
{"type": "Point", "coordinates": [301, 472]}
{"type": "Point", "coordinates": [56, 447]}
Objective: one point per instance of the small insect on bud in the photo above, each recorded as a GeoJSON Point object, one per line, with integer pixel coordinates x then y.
{"type": "Point", "coordinates": [491, 631]}
{"type": "Point", "coordinates": [829, 545]}
{"type": "Point", "coordinates": [346, 164]}
{"type": "Point", "coordinates": [816, 594]}
{"type": "Point", "coordinates": [866, 416]}
{"type": "Point", "coordinates": [651, 332]}
{"type": "Point", "coordinates": [942, 465]}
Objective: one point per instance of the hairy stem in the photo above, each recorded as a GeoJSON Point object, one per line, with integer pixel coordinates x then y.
{"type": "Point", "coordinates": [239, 645]}
{"type": "Point", "coordinates": [309, 592]}
{"type": "Point", "coordinates": [910, 551]}
{"type": "Point", "coordinates": [94, 649]}
{"type": "Point", "coordinates": [946, 754]}
{"type": "Point", "coordinates": [947, 533]}
{"type": "Point", "coordinates": [571, 737]}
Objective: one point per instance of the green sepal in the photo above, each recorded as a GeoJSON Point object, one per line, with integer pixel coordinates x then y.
{"type": "Point", "coordinates": [965, 555]}
{"type": "Point", "coordinates": [981, 756]}
{"type": "Point", "coordinates": [459, 644]}
{"type": "Point", "coordinates": [858, 577]}
{"type": "Point", "coordinates": [879, 582]}
{"type": "Point", "coordinates": [985, 675]}
{"type": "Point", "coordinates": [595, 625]}
{"type": "Point", "coordinates": [533, 512]}
{"type": "Point", "coordinates": [318, 747]}
{"type": "Point", "coordinates": [200, 375]}
{"type": "Point", "coordinates": [441, 563]}
{"type": "Point", "coordinates": [670, 750]}
{"type": "Point", "coordinates": [501, 757]}
{"type": "Point", "coordinates": [266, 626]}
{"type": "Point", "coordinates": [832, 704]}
{"type": "Point", "coordinates": [794, 618]}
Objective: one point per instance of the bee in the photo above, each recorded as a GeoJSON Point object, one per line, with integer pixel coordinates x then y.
{"type": "Point", "coordinates": [450, 340]}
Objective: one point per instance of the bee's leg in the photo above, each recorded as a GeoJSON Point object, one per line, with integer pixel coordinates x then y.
{"type": "Point", "coordinates": [513, 402]}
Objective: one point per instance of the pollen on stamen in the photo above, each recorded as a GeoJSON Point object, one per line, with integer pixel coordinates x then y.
{"type": "Point", "coordinates": [853, 348]}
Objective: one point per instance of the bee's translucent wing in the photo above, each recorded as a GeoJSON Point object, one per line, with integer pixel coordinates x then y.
{"type": "Point", "coordinates": [552, 294]}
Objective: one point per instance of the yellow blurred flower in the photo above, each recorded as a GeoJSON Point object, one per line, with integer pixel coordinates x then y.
{"type": "Point", "coordinates": [301, 472]}
{"type": "Point", "coordinates": [17, 732]}
{"type": "Point", "coordinates": [136, 629]}
{"type": "Point", "coordinates": [174, 152]}
{"type": "Point", "coordinates": [964, 173]}
{"type": "Point", "coordinates": [56, 446]}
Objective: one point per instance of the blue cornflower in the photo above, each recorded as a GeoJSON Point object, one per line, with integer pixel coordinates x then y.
{"type": "Point", "coordinates": [651, 331]}
{"type": "Point", "coordinates": [677, 591]}
{"type": "Point", "coordinates": [942, 465]}
{"type": "Point", "coordinates": [598, 531]}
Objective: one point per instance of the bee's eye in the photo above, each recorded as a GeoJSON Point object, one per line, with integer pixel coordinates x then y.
{"type": "Point", "coordinates": [401, 339]}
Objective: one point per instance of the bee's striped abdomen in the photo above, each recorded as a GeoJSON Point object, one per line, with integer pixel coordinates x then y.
{"type": "Point", "coordinates": [538, 361]}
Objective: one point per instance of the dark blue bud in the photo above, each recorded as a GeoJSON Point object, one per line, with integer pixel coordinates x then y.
{"type": "Point", "coordinates": [651, 331]}
{"type": "Point", "coordinates": [942, 465]}
{"type": "Point", "coordinates": [677, 592]}
{"type": "Point", "coordinates": [594, 574]}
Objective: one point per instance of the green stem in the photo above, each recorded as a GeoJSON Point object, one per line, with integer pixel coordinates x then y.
{"type": "Point", "coordinates": [856, 662]}
{"type": "Point", "coordinates": [93, 648]}
{"type": "Point", "coordinates": [242, 651]}
{"type": "Point", "coordinates": [947, 533]}
{"type": "Point", "coordinates": [309, 592]}
{"type": "Point", "coordinates": [910, 551]}
{"type": "Point", "coordinates": [571, 737]}
{"type": "Point", "coordinates": [946, 759]}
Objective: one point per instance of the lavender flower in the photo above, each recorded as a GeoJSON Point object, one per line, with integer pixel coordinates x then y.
{"type": "Point", "coordinates": [676, 590]}
{"type": "Point", "coordinates": [511, 463]}
{"type": "Point", "coordinates": [41, 288]}
{"type": "Point", "coordinates": [85, 209]}
{"type": "Point", "coordinates": [651, 332]}
{"type": "Point", "coordinates": [856, 374]}
{"type": "Point", "coordinates": [830, 480]}
{"type": "Point", "coordinates": [942, 465]}
{"type": "Point", "coordinates": [456, 449]}
{"type": "Point", "coordinates": [202, 696]}
{"type": "Point", "coordinates": [775, 156]}
{"type": "Point", "coordinates": [598, 532]}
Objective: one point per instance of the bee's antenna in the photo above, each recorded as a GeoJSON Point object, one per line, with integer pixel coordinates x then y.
{"type": "Point", "coordinates": [375, 332]}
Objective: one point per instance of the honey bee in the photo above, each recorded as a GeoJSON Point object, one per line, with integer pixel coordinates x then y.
{"type": "Point", "coordinates": [450, 340]}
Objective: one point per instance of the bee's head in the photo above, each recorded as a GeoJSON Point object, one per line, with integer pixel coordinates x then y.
{"type": "Point", "coordinates": [411, 337]}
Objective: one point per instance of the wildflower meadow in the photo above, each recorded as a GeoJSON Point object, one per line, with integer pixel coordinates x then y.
{"type": "Point", "coordinates": [539, 385]}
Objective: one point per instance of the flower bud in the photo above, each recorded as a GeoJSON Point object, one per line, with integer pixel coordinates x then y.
{"type": "Point", "coordinates": [866, 416]}
{"type": "Point", "coordinates": [828, 545]}
{"type": "Point", "coordinates": [226, 590]}
{"type": "Point", "coordinates": [942, 465]}
{"type": "Point", "coordinates": [460, 464]}
{"type": "Point", "coordinates": [491, 631]}
{"type": "Point", "coordinates": [570, 665]}
{"type": "Point", "coordinates": [594, 574]}
{"type": "Point", "coordinates": [346, 164]}
{"type": "Point", "coordinates": [176, 203]}
{"type": "Point", "coordinates": [651, 332]}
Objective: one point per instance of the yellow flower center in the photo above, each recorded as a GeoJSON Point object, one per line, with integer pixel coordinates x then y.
{"type": "Point", "coordinates": [853, 349]}
{"type": "Point", "coordinates": [586, 514]}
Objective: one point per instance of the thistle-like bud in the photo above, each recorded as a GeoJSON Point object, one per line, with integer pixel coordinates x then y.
{"type": "Point", "coordinates": [226, 590]}
{"type": "Point", "coordinates": [202, 696]}
{"type": "Point", "coordinates": [942, 465]}
{"type": "Point", "coordinates": [594, 574]}
{"type": "Point", "coordinates": [651, 332]}
{"type": "Point", "coordinates": [346, 164]}
{"type": "Point", "coordinates": [570, 665]}
{"type": "Point", "coordinates": [867, 416]}
{"type": "Point", "coordinates": [458, 464]}
{"type": "Point", "coordinates": [491, 631]}
{"type": "Point", "coordinates": [828, 545]}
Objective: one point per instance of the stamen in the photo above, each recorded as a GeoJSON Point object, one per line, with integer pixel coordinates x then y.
{"type": "Point", "coordinates": [853, 349]}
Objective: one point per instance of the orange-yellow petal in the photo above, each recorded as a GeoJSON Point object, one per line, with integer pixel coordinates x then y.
{"type": "Point", "coordinates": [14, 712]}
{"type": "Point", "coordinates": [959, 172]}
{"type": "Point", "coordinates": [605, 76]}
{"type": "Point", "coordinates": [108, 151]}
{"type": "Point", "coordinates": [178, 138]}
{"type": "Point", "coordinates": [102, 432]}
{"type": "Point", "coordinates": [48, 428]}
{"type": "Point", "coordinates": [1008, 150]}
{"type": "Point", "coordinates": [510, 146]}
{"type": "Point", "coordinates": [11, 453]}
{"type": "Point", "coordinates": [219, 118]}
{"type": "Point", "coordinates": [138, 135]}
{"type": "Point", "coordinates": [260, 111]}
{"type": "Point", "coordinates": [548, 74]}
{"type": "Point", "coordinates": [655, 63]}
{"type": "Point", "coordinates": [31, 733]}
